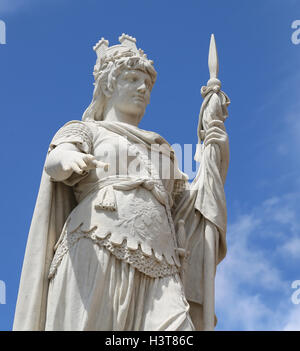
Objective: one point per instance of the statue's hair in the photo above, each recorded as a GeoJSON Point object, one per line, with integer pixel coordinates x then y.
{"type": "Point", "coordinates": [107, 75]}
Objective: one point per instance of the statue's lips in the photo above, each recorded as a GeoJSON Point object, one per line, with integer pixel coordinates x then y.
{"type": "Point", "coordinates": [139, 98]}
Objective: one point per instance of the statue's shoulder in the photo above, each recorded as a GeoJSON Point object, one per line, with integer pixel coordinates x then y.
{"type": "Point", "coordinates": [75, 123]}
{"type": "Point", "coordinates": [78, 127]}
{"type": "Point", "coordinates": [75, 131]}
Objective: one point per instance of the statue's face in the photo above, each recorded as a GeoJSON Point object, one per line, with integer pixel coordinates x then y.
{"type": "Point", "coordinates": [132, 92]}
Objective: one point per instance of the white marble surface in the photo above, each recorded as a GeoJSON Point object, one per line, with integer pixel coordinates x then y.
{"type": "Point", "coordinates": [113, 245]}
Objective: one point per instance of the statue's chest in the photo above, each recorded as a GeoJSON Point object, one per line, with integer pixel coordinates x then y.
{"type": "Point", "coordinates": [126, 157]}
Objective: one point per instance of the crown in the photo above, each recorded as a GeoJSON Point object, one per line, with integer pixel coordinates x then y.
{"type": "Point", "coordinates": [106, 54]}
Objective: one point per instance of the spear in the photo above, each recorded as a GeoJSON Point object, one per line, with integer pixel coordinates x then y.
{"type": "Point", "coordinates": [214, 107]}
{"type": "Point", "coordinates": [213, 60]}
{"type": "Point", "coordinates": [210, 229]}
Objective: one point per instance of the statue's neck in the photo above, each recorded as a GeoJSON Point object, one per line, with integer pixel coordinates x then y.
{"type": "Point", "coordinates": [114, 115]}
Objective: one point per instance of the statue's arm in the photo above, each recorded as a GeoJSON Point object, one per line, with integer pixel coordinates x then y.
{"type": "Point", "coordinates": [216, 134]}
{"type": "Point", "coordinates": [71, 153]}
{"type": "Point", "coordinates": [66, 159]}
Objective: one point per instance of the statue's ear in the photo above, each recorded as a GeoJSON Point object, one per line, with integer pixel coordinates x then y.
{"type": "Point", "coordinates": [106, 90]}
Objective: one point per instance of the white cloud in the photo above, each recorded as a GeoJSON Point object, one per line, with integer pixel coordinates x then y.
{"type": "Point", "coordinates": [252, 288]}
{"type": "Point", "coordinates": [253, 284]}
{"type": "Point", "coordinates": [288, 141]}
{"type": "Point", "coordinates": [292, 322]}
{"type": "Point", "coordinates": [292, 248]}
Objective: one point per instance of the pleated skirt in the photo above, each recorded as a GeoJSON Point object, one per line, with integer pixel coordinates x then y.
{"type": "Point", "coordinates": [94, 290]}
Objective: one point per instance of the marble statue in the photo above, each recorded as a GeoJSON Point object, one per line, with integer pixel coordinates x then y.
{"type": "Point", "coordinates": [113, 244]}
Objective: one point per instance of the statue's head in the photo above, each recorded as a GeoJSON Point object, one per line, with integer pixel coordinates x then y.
{"type": "Point", "coordinates": [123, 75]}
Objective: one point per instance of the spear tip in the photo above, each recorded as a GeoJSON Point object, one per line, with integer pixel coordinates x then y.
{"type": "Point", "coordinates": [213, 61]}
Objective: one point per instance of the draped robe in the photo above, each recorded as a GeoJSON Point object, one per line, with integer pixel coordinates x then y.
{"type": "Point", "coordinates": [123, 225]}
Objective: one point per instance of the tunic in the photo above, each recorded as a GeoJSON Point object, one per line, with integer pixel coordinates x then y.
{"type": "Point", "coordinates": [116, 265]}
{"type": "Point", "coordinates": [101, 252]}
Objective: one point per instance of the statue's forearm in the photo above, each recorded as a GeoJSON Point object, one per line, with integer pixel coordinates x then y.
{"type": "Point", "coordinates": [54, 165]}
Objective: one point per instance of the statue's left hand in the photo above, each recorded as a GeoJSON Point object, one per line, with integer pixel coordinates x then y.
{"type": "Point", "coordinates": [216, 134]}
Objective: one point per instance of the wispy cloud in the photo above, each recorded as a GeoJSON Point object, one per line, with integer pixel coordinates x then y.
{"type": "Point", "coordinates": [253, 290]}
{"type": "Point", "coordinates": [293, 320]}
{"type": "Point", "coordinates": [253, 284]}
{"type": "Point", "coordinates": [286, 98]}
{"type": "Point", "coordinates": [292, 248]}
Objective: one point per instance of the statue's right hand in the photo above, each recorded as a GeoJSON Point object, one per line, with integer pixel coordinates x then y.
{"type": "Point", "coordinates": [66, 159]}
{"type": "Point", "coordinates": [79, 162]}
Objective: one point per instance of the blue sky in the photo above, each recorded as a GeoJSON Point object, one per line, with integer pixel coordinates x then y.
{"type": "Point", "coordinates": [46, 80]}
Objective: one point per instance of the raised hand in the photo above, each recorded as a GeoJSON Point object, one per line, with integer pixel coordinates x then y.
{"type": "Point", "coordinates": [216, 134]}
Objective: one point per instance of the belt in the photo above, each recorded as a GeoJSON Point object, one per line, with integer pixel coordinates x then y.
{"type": "Point", "coordinates": [106, 197]}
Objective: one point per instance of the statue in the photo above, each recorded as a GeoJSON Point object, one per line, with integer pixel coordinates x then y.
{"type": "Point", "coordinates": [114, 244]}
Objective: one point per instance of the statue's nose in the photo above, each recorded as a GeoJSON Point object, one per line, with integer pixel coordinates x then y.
{"type": "Point", "coordinates": [142, 88]}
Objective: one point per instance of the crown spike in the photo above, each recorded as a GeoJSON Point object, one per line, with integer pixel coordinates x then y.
{"type": "Point", "coordinates": [101, 47]}
{"type": "Point", "coordinates": [213, 61]}
{"type": "Point", "coordinates": [128, 41]}
{"type": "Point", "coordinates": [109, 55]}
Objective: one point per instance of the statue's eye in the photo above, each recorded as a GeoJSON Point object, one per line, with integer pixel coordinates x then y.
{"type": "Point", "coordinates": [132, 78]}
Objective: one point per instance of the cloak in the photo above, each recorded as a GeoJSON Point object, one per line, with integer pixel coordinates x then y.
{"type": "Point", "coordinates": [55, 201]}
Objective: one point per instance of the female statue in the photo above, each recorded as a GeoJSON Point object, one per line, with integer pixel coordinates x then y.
{"type": "Point", "coordinates": [105, 249]}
